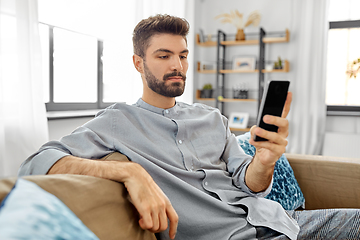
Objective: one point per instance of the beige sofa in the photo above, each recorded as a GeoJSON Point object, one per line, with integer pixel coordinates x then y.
{"type": "Point", "coordinates": [103, 206]}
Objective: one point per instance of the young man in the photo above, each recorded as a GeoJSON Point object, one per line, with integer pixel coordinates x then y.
{"type": "Point", "coordinates": [186, 167]}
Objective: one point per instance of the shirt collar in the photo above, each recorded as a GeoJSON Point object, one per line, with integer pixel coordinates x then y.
{"type": "Point", "coordinates": [140, 103]}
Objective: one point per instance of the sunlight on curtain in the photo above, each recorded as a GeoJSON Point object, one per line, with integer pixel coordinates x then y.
{"type": "Point", "coordinates": [23, 122]}
{"type": "Point", "coordinates": [308, 111]}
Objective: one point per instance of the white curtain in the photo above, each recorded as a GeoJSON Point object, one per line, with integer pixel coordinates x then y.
{"type": "Point", "coordinates": [308, 73]}
{"type": "Point", "coordinates": [23, 123]}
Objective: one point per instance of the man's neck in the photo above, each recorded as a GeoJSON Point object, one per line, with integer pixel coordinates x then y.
{"type": "Point", "coordinates": [159, 101]}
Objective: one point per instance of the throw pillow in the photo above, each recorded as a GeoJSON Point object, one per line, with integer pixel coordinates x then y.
{"type": "Point", "coordinates": [285, 189]}
{"type": "Point", "coordinates": [29, 212]}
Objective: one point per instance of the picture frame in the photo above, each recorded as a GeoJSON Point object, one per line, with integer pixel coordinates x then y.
{"type": "Point", "coordinates": [238, 120]}
{"type": "Point", "coordinates": [244, 63]}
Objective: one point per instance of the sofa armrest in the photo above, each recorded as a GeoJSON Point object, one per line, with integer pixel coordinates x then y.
{"type": "Point", "coordinates": [327, 182]}
{"type": "Point", "coordinates": [101, 204]}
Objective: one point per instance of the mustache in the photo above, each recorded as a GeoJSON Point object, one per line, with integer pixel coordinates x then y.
{"type": "Point", "coordinates": [174, 74]}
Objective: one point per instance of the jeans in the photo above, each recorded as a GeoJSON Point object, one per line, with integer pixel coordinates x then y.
{"type": "Point", "coordinates": [320, 224]}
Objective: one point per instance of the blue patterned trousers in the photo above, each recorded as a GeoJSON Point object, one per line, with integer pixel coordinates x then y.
{"type": "Point", "coordinates": [321, 224]}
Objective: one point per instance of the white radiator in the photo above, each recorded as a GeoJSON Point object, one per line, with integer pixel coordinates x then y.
{"type": "Point", "coordinates": [342, 145]}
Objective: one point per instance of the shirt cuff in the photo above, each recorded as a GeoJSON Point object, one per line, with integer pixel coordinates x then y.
{"type": "Point", "coordinates": [244, 187]}
{"type": "Point", "coordinates": [42, 162]}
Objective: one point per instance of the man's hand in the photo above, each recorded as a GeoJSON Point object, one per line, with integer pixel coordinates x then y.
{"type": "Point", "coordinates": [150, 201]}
{"type": "Point", "coordinates": [260, 170]}
{"type": "Point", "coordinates": [152, 204]}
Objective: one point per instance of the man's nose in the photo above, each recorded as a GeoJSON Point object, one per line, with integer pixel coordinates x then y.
{"type": "Point", "coordinates": [176, 65]}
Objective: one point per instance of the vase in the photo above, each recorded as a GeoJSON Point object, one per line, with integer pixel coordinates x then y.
{"type": "Point", "coordinates": [240, 35]}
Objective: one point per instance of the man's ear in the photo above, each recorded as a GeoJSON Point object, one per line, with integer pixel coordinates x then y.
{"type": "Point", "coordinates": [138, 63]}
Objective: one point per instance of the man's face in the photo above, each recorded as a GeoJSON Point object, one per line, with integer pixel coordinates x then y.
{"type": "Point", "coordinates": [165, 65]}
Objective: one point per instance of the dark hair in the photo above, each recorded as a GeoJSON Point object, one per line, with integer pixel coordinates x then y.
{"type": "Point", "coordinates": [158, 24]}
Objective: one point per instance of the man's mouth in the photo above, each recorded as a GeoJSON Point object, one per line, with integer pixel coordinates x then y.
{"type": "Point", "coordinates": [175, 77]}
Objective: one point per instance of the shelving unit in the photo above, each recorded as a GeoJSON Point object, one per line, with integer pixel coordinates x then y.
{"type": "Point", "coordinates": [283, 39]}
{"type": "Point", "coordinates": [198, 94]}
{"type": "Point", "coordinates": [222, 43]}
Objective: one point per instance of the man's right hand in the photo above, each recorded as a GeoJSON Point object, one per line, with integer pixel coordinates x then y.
{"type": "Point", "coordinates": [150, 201]}
{"type": "Point", "coordinates": [152, 204]}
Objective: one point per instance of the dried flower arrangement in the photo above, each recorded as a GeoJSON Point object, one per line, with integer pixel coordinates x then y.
{"type": "Point", "coordinates": [236, 18]}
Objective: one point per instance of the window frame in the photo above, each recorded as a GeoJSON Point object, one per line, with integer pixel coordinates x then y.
{"type": "Point", "coordinates": [343, 110]}
{"type": "Point", "coordinates": [71, 106]}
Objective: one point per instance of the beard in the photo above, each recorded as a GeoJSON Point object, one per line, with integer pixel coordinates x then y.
{"type": "Point", "coordinates": [175, 89]}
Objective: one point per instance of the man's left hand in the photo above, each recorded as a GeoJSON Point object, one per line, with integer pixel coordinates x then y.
{"type": "Point", "coordinates": [259, 173]}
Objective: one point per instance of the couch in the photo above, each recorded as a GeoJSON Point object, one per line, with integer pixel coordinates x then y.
{"type": "Point", "coordinates": [103, 205]}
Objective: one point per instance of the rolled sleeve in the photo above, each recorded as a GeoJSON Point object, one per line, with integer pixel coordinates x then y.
{"type": "Point", "coordinates": [93, 140]}
{"type": "Point", "coordinates": [240, 182]}
{"type": "Point", "coordinates": [39, 164]}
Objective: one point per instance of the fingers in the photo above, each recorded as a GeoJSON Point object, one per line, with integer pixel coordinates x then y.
{"type": "Point", "coordinates": [155, 220]}
{"type": "Point", "coordinates": [282, 123]}
{"type": "Point", "coordinates": [174, 219]}
{"type": "Point", "coordinates": [286, 109]}
{"type": "Point", "coordinates": [273, 137]}
{"type": "Point", "coordinates": [152, 204]}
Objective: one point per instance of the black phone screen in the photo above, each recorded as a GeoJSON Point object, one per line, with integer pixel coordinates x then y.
{"type": "Point", "coordinates": [272, 103]}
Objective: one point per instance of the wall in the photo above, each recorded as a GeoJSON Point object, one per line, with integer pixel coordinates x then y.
{"type": "Point", "coordinates": [61, 127]}
{"type": "Point", "coordinates": [343, 124]}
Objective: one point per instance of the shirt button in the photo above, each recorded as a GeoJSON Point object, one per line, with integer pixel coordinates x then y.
{"type": "Point", "coordinates": [166, 111]}
{"type": "Point", "coordinates": [180, 141]}
{"type": "Point", "coordinates": [206, 183]}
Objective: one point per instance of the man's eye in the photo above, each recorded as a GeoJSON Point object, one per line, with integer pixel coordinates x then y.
{"type": "Point", "coordinates": [183, 57]}
{"type": "Point", "coordinates": [163, 57]}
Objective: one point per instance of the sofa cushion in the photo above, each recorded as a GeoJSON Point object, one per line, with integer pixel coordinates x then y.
{"type": "Point", "coordinates": [285, 189]}
{"type": "Point", "coordinates": [101, 204]}
{"type": "Point", "coordinates": [38, 215]}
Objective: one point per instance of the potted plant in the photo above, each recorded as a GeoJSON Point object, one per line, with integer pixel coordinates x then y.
{"type": "Point", "coordinates": [278, 64]}
{"type": "Point", "coordinates": [236, 18]}
{"type": "Point", "coordinates": [207, 91]}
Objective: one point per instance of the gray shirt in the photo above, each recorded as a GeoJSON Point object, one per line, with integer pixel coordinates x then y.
{"type": "Point", "coordinates": [191, 154]}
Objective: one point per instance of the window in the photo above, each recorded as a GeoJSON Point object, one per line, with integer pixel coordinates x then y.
{"type": "Point", "coordinates": [87, 60]}
{"type": "Point", "coordinates": [72, 72]}
{"type": "Point", "coordinates": [342, 97]}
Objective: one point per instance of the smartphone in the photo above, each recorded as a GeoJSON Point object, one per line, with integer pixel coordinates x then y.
{"type": "Point", "coordinates": [272, 103]}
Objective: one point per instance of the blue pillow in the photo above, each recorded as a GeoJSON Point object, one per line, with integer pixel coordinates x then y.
{"type": "Point", "coordinates": [285, 189]}
{"type": "Point", "coordinates": [29, 212]}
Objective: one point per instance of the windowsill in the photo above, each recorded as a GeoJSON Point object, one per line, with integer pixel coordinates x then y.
{"type": "Point", "coordinates": [346, 111]}
{"type": "Point", "coordinates": [56, 115]}
{"type": "Point", "coordinates": [343, 113]}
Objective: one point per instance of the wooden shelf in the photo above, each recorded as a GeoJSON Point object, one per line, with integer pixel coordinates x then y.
{"type": "Point", "coordinates": [286, 68]}
{"type": "Point", "coordinates": [237, 100]}
{"type": "Point", "coordinates": [198, 94]}
{"type": "Point", "coordinates": [237, 43]}
{"type": "Point", "coordinates": [206, 71]}
{"type": "Point", "coordinates": [240, 129]}
{"type": "Point", "coordinates": [284, 39]}
{"type": "Point", "coordinates": [238, 71]}
{"type": "Point", "coordinates": [278, 39]}
{"type": "Point", "coordinates": [205, 44]}
{"type": "Point", "coordinates": [199, 70]}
